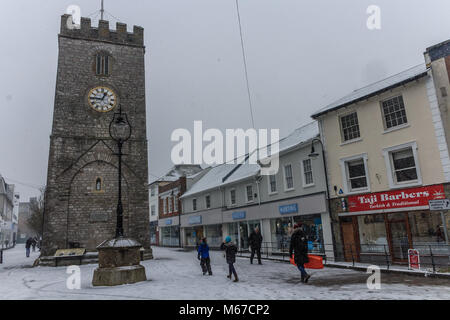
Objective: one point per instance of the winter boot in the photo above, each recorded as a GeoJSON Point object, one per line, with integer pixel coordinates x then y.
{"type": "Point", "coordinates": [307, 278]}
{"type": "Point", "coordinates": [210, 273]}
{"type": "Point", "coordinates": [236, 279]}
{"type": "Point", "coordinates": [229, 276]}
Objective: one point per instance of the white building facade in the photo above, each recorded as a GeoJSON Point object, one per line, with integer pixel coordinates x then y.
{"type": "Point", "coordinates": [234, 199]}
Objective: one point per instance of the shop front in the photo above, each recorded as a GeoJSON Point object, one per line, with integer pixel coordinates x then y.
{"type": "Point", "coordinates": [154, 233]}
{"type": "Point", "coordinates": [202, 224]}
{"type": "Point", "coordinates": [276, 220]}
{"type": "Point", "coordinates": [392, 222]}
{"type": "Point", "coordinates": [169, 232]}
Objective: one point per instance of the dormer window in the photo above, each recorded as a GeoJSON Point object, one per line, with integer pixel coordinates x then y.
{"type": "Point", "coordinates": [102, 64]}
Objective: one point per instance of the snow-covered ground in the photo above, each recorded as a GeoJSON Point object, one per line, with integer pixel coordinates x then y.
{"type": "Point", "coordinates": [175, 274]}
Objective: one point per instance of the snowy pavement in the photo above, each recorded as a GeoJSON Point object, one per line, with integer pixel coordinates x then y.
{"type": "Point", "coordinates": [175, 274]}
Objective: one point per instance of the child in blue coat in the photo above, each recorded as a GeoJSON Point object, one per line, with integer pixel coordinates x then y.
{"type": "Point", "coordinates": [203, 256]}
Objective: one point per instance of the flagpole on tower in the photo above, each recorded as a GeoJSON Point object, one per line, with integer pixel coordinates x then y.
{"type": "Point", "coordinates": [102, 11]}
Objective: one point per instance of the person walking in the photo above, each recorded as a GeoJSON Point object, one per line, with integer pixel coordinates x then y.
{"type": "Point", "coordinates": [33, 244]}
{"type": "Point", "coordinates": [299, 247]}
{"type": "Point", "coordinates": [255, 241]}
{"type": "Point", "coordinates": [28, 246]}
{"type": "Point", "coordinates": [230, 254]}
{"type": "Point", "coordinates": [203, 256]}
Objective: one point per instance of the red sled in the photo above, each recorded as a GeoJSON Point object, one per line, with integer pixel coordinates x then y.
{"type": "Point", "coordinates": [315, 262]}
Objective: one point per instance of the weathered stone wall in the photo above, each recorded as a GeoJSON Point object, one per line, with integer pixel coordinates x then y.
{"type": "Point", "coordinates": [81, 149]}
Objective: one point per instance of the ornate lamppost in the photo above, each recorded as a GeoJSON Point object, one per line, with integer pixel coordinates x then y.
{"type": "Point", "coordinates": [119, 258]}
{"type": "Point", "coordinates": [120, 132]}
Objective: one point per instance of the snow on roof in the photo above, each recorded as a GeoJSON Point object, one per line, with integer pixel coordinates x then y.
{"type": "Point", "coordinates": [375, 88]}
{"type": "Point", "coordinates": [214, 178]}
{"type": "Point", "coordinates": [211, 180]}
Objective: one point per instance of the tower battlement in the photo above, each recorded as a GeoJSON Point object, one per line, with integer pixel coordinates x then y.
{"type": "Point", "coordinates": [103, 33]}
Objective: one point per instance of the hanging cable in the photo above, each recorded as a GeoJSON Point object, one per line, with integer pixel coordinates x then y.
{"type": "Point", "coordinates": [245, 63]}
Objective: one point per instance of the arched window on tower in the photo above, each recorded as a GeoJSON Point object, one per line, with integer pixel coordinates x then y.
{"type": "Point", "coordinates": [98, 184]}
{"type": "Point", "coordinates": [102, 64]}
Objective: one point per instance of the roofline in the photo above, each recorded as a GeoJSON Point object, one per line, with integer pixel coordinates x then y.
{"type": "Point", "coordinates": [224, 184]}
{"type": "Point", "coordinates": [378, 92]}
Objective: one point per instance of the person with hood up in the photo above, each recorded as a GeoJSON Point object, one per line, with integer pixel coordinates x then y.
{"type": "Point", "coordinates": [299, 247]}
{"type": "Point", "coordinates": [230, 254]}
{"type": "Point", "coordinates": [203, 256]}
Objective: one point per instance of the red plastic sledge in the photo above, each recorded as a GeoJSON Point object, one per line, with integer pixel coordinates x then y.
{"type": "Point", "coordinates": [315, 262]}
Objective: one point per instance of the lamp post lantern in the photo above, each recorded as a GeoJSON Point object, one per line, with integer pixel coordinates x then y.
{"type": "Point", "coordinates": [120, 132]}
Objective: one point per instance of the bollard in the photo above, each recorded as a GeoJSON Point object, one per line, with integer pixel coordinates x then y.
{"type": "Point", "coordinates": [1, 256]}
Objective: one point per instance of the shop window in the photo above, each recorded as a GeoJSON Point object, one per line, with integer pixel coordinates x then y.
{"type": "Point", "coordinates": [312, 226]}
{"type": "Point", "coordinates": [350, 127]}
{"type": "Point", "coordinates": [214, 235]}
{"type": "Point", "coordinates": [308, 179]}
{"type": "Point", "coordinates": [372, 233]}
{"type": "Point", "coordinates": [272, 184]}
{"type": "Point", "coordinates": [402, 165]}
{"type": "Point", "coordinates": [427, 228]}
{"type": "Point", "coordinates": [288, 177]}
{"type": "Point", "coordinates": [170, 236]}
{"type": "Point", "coordinates": [281, 231]}
{"type": "Point", "coordinates": [394, 113]}
{"type": "Point", "coordinates": [249, 193]}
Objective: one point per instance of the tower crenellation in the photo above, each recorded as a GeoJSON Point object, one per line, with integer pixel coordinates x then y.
{"type": "Point", "coordinates": [103, 32]}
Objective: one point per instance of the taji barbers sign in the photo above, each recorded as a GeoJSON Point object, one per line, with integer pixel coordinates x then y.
{"type": "Point", "coordinates": [391, 200]}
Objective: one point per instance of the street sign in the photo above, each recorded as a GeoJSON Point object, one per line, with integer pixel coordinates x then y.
{"type": "Point", "coordinates": [441, 204]}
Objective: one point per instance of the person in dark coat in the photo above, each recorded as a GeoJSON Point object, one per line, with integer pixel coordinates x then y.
{"type": "Point", "coordinates": [203, 256]}
{"type": "Point", "coordinates": [255, 241]}
{"type": "Point", "coordinates": [299, 247]}
{"type": "Point", "coordinates": [28, 245]}
{"type": "Point", "coordinates": [230, 254]}
{"type": "Point", "coordinates": [33, 244]}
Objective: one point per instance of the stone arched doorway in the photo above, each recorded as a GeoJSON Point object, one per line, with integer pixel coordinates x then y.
{"type": "Point", "coordinates": [91, 217]}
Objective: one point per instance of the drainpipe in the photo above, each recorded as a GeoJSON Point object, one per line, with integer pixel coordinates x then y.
{"type": "Point", "coordinates": [258, 180]}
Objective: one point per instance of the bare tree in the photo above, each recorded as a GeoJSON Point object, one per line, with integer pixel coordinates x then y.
{"type": "Point", "coordinates": [36, 219]}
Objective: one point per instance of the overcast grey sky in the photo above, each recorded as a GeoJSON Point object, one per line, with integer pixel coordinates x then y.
{"type": "Point", "coordinates": [301, 55]}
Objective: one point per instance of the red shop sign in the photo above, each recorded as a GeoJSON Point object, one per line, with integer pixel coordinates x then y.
{"type": "Point", "coordinates": [388, 200]}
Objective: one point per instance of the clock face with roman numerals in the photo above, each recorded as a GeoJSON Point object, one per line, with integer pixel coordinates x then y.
{"type": "Point", "coordinates": [102, 99]}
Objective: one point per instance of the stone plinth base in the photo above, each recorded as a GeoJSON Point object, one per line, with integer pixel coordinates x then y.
{"type": "Point", "coordinates": [118, 261]}
{"type": "Point", "coordinates": [118, 276]}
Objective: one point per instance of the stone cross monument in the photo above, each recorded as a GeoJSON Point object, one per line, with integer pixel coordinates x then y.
{"type": "Point", "coordinates": [98, 69]}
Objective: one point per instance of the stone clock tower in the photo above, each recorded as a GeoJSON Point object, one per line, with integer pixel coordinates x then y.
{"type": "Point", "coordinates": [98, 70]}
